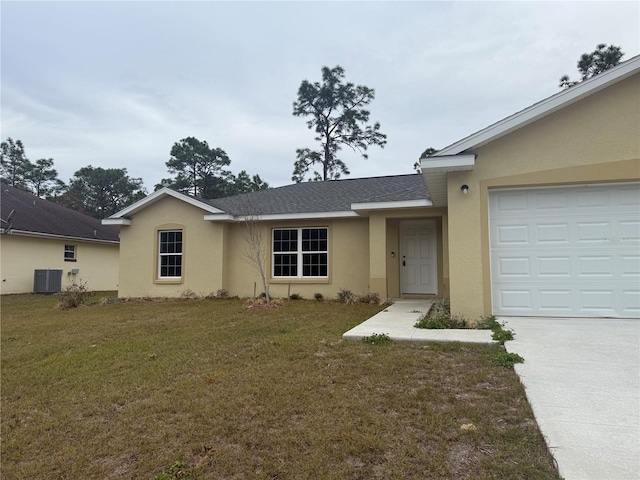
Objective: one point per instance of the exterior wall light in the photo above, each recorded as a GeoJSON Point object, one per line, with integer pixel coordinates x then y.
{"type": "Point", "coordinates": [464, 189]}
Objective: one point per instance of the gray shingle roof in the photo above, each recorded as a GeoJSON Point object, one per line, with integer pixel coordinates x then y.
{"type": "Point", "coordinates": [330, 196]}
{"type": "Point", "coordinates": [37, 215]}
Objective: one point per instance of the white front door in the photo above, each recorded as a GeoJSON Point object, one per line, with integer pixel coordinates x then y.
{"type": "Point", "coordinates": [418, 257]}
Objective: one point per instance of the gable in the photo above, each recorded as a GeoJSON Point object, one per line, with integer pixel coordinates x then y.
{"type": "Point", "coordinates": [600, 129]}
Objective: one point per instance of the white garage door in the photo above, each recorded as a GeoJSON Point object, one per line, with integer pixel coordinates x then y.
{"type": "Point", "coordinates": [569, 251]}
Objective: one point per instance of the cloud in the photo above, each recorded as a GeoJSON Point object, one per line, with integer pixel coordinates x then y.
{"type": "Point", "coordinates": [115, 84]}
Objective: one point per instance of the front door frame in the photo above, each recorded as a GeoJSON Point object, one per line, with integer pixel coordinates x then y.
{"type": "Point", "coordinates": [431, 223]}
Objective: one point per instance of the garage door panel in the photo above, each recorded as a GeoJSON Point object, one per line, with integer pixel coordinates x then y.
{"type": "Point", "coordinates": [517, 300]}
{"type": "Point", "coordinates": [595, 266]}
{"type": "Point", "coordinates": [511, 203]}
{"type": "Point", "coordinates": [551, 200]}
{"type": "Point", "coordinates": [557, 233]}
{"type": "Point", "coordinates": [595, 197]}
{"type": "Point", "coordinates": [554, 266]}
{"type": "Point", "coordinates": [593, 232]}
{"type": "Point", "coordinates": [555, 300]}
{"type": "Point", "coordinates": [513, 234]}
{"type": "Point", "coordinates": [629, 231]}
{"type": "Point", "coordinates": [631, 303]}
{"type": "Point", "coordinates": [573, 251]}
{"type": "Point", "coordinates": [514, 267]}
{"type": "Point", "coordinates": [631, 266]}
{"type": "Point", "coordinates": [629, 196]}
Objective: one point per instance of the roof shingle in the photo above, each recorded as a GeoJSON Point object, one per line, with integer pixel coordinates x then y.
{"type": "Point", "coordinates": [37, 215]}
{"type": "Point", "coordinates": [330, 196]}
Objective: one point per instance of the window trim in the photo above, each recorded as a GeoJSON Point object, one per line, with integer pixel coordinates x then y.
{"type": "Point", "coordinates": [300, 277]}
{"type": "Point", "coordinates": [158, 256]}
{"type": "Point", "coordinates": [70, 248]}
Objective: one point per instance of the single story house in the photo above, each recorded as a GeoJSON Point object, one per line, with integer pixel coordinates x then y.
{"type": "Point", "coordinates": [536, 215]}
{"type": "Point", "coordinates": [46, 247]}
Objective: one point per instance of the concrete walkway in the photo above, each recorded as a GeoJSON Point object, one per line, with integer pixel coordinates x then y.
{"type": "Point", "coordinates": [398, 322]}
{"type": "Point", "coordinates": [582, 380]}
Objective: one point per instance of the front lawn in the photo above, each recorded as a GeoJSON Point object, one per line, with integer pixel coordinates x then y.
{"type": "Point", "coordinates": [126, 390]}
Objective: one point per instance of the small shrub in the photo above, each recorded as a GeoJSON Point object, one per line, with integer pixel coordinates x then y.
{"type": "Point", "coordinates": [488, 323]}
{"type": "Point", "coordinates": [222, 293]}
{"type": "Point", "coordinates": [346, 296]}
{"type": "Point", "coordinates": [377, 339]}
{"type": "Point", "coordinates": [440, 322]}
{"type": "Point", "coordinates": [318, 296]}
{"type": "Point", "coordinates": [506, 359]}
{"type": "Point", "coordinates": [372, 298]}
{"type": "Point", "coordinates": [188, 294]}
{"type": "Point", "coordinates": [440, 308]}
{"type": "Point", "coordinates": [502, 335]}
{"type": "Point", "coordinates": [177, 471]}
{"type": "Point", "coordinates": [431, 323]}
{"type": "Point", "coordinates": [439, 316]}
{"type": "Point", "coordinates": [73, 296]}
{"type": "Point", "coordinates": [295, 296]}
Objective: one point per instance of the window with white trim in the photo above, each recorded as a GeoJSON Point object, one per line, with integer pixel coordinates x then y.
{"type": "Point", "coordinates": [70, 253]}
{"type": "Point", "coordinates": [170, 254]}
{"type": "Point", "coordinates": [300, 253]}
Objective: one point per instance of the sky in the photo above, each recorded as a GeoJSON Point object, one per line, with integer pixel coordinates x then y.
{"type": "Point", "coordinates": [115, 84]}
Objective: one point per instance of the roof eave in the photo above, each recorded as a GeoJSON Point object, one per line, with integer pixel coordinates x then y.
{"type": "Point", "coordinates": [395, 205]}
{"type": "Point", "coordinates": [53, 236]}
{"type": "Point", "coordinates": [448, 163]}
{"type": "Point", "coordinates": [281, 216]}
{"type": "Point", "coordinates": [116, 221]}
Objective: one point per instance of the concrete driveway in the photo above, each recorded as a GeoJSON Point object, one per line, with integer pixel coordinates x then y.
{"type": "Point", "coordinates": [582, 379]}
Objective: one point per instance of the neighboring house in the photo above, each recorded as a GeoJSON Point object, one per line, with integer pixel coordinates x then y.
{"type": "Point", "coordinates": [536, 215]}
{"type": "Point", "coordinates": [40, 235]}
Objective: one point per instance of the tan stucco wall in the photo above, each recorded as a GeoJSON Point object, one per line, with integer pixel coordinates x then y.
{"type": "Point", "coordinates": [215, 254]}
{"type": "Point", "coordinates": [594, 140]}
{"type": "Point", "coordinates": [348, 260]}
{"type": "Point", "coordinates": [203, 262]}
{"type": "Point", "coordinates": [21, 255]}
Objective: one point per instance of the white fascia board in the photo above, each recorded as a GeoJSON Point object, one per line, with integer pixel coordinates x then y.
{"type": "Point", "coordinates": [391, 205]}
{"type": "Point", "coordinates": [116, 221]}
{"type": "Point", "coordinates": [219, 217]}
{"type": "Point", "coordinates": [24, 233]}
{"type": "Point", "coordinates": [448, 163]}
{"type": "Point", "coordinates": [543, 108]}
{"type": "Point", "coordinates": [281, 216]}
{"type": "Point", "coordinates": [157, 195]}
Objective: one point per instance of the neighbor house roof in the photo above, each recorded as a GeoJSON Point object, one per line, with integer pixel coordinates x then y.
{"type": "Point", "coordinates": [39, 217]}
{"type": "Point", "coordinates": [330, 199]}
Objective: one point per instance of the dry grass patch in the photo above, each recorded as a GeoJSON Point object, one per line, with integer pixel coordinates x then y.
{"type": "Point", "coordinates": [127, 390]}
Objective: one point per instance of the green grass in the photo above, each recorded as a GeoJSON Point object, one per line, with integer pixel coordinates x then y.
{"type": "Point", "coordinates": [212, 390]}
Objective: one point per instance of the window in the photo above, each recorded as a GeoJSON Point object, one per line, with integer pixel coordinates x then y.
{"type": "Point", "coordinates": [69, 253]}
{"type": "Point", "coordinates": [170, 261]}
{"type": "Point", "coordinates": [300, 253]}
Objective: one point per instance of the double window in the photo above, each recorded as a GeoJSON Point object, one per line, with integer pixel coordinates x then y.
{"type": "Point", "coordinates": [170, 254]}
{"type": "Point", "coordinates": [300, 253]}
